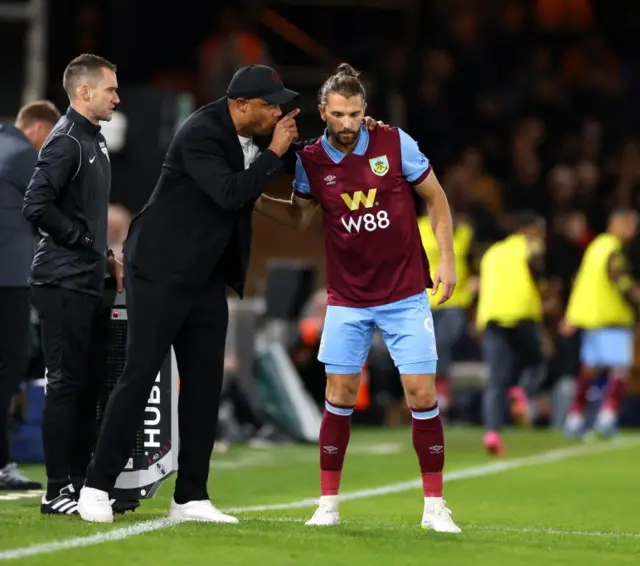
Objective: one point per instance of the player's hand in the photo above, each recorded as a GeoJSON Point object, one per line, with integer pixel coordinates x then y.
{"type": "Point", "coordinates": [371, 123]}
{"type": "Point", "coordinates": [117, 270]}
{"type": "Point", "coordinates": [567, 330]}
{"type": "Point", "coordinates": [285, 133]}
{"type": "Point", "coordinates": [445, 275]}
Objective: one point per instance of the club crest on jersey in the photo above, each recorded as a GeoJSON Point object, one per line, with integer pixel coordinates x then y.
{"type": "Point", "coordinates": [379, 165]}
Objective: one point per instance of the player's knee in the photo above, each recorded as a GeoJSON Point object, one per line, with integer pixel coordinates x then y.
{"type": "Point", "coordinates": [420, 390]}
{"type": "Point", "coordinates": [342, 389]}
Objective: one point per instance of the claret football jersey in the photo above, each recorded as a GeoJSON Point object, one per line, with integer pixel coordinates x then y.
{"type": "Point", "coordinates": [373, 250]}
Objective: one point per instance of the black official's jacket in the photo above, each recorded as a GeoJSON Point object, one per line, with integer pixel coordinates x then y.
{"type": "Point", "coordinates": [199, 215]}
{"type": "Point", "coordinates": [68, 200]}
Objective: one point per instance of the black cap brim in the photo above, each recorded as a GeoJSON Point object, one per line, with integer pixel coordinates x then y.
{"type": "Point", "coordinates": [281, 97]}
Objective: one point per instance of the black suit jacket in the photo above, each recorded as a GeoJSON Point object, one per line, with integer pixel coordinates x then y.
{"type": "Point", "coordinates": [198, 218]}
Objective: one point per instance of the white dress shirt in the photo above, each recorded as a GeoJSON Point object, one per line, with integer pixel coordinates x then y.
{"type": "Point", "coordinates": [249, 150]}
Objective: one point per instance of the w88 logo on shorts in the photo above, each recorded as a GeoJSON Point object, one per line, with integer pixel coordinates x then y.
{"type": "Point", "coordinates": [367, 222]}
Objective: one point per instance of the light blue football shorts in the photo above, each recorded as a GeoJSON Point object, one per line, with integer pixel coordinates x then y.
{"type": "Point", "coordinates": [607, 347]}
{"type": "Point", "coordinates": [406, 327]}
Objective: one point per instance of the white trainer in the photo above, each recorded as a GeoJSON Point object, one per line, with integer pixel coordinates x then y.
{"type": "Point", "coordinates": [437, 517]}
{"type": "Point", "coordinates": [606, 422]}
{"type": "Point", "coordinates": [199, 511]}
{"type": "Point", "coordinates": [574, 425]}
{"type": "Point", "coordinates": [326, 514]}
{"type": "Point", "coordinates": [94, 506]}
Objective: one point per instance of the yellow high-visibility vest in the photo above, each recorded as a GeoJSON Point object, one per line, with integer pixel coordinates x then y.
{"type": "Point", "coordinates": [508, 294]}
{"type": "Point", "coordinates": [595, 301]}
{"type": "Point", "coordinates": [462, 237]}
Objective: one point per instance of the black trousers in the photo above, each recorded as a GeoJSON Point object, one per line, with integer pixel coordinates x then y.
{"type": "Point", "coordinates": [514, 357]}
{"type": "Point", "coordinates": [73, 328]}
{"type": "Point", "coordinates": [195, 323]}
{"type": "Point", "coordinates": [15, 347]}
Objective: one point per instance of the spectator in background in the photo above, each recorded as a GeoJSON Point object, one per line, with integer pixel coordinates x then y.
{"type": "Point", "coordinates": [226, 50]}
{"type": "Point", "coordinates": [483, 185]}
{"type": "Point", "coordinates": [19, 146]}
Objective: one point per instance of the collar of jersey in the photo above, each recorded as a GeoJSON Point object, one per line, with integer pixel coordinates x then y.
{"type": "Point", "coordinates": [337, 156]}
{"type": "Point", "coordinates": [83, 122]}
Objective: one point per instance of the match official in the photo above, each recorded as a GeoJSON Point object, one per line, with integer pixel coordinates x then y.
{"type": "Point", "coordinates": [67, 201]}
{"type": "Point", "coordinates": [19, 145]}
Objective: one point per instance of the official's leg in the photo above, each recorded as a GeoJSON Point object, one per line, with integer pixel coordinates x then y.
{"type": "Point", "coordinates": [408, 331]}
{"type": "Point", "coordinates": [499, 356]}
{"type": "Point", "coordinates": [65, 321]}
{"type": "Point", "coordinates": [85, 428]}
{"type": "Point", "coordinates": [346, 340]}
{"type": "Point", "coordinates": [155, 315]}
{"type": "Point", "coordinates": [15, 347]}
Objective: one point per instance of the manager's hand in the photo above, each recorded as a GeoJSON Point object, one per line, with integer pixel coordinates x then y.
{"type": "Point", "coordinates": [117, 270]}
{"type": "Point", "coordinates": [371, 123]}
{"type": "Point", "coordinates": [285, 133]}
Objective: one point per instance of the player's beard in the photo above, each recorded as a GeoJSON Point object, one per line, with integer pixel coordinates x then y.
{"type": "Point", "coordinates": [345, 139]}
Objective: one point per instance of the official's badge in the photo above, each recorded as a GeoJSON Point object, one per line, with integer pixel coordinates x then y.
{"type": "Point", "coordinates": [379, 165]}
{"type": "Point", "coordinates": [104, 149]}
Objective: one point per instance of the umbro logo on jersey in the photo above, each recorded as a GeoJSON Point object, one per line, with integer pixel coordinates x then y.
{"type": "Point", "coordinates": [330, 179]}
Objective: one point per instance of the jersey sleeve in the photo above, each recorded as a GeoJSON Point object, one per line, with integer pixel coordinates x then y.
{"type": "Point", "coordinates": [415, 166]}
{"type": "Point", "coordinates": [301, 187]}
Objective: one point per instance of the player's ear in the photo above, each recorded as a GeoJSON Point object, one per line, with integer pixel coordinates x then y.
{"type": "Point", "coordinates": [323, 115]}
{"type": "Point", "coordinates": [364, 109]}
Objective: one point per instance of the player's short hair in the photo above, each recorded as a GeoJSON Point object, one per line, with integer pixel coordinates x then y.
{"type": "Point", "coordinates": [38, 111]}
{"type": "Point", "coordinates": [345, 82]}
{"type": "Point", "coordinates": [82, 68]}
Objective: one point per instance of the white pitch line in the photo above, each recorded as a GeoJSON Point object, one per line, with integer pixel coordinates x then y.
{"type": "Point", "coordinates": [567, 532]}
{"type": "Point", "coordinates": [463, 474]}
{"type": "Point", "coordinates": [473, 526]}
{"type": "Point", "coordinates": [455, 475]}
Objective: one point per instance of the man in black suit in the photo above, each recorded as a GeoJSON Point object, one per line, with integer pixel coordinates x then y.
{"type": "Point", "coordinates": [191, 239]}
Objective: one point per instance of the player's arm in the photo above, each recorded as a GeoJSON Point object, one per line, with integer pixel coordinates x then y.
{"type": "Point", "coordinates": [620, 274]}
{"type": "Point", "coordinates": [417, 171]}
{"type": "Point", "coordinates": [535, 261]}
{"type": "Point", "coordinates": [296, 212]}
{"type": "Point", "coordinates": [58, 163]}
{"type": "Point", "coordinates": [549, 288]}
{"type": "Point", "coordinates": [290, 157]}
{"type": "Point", "coordinates": [431, 191]}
